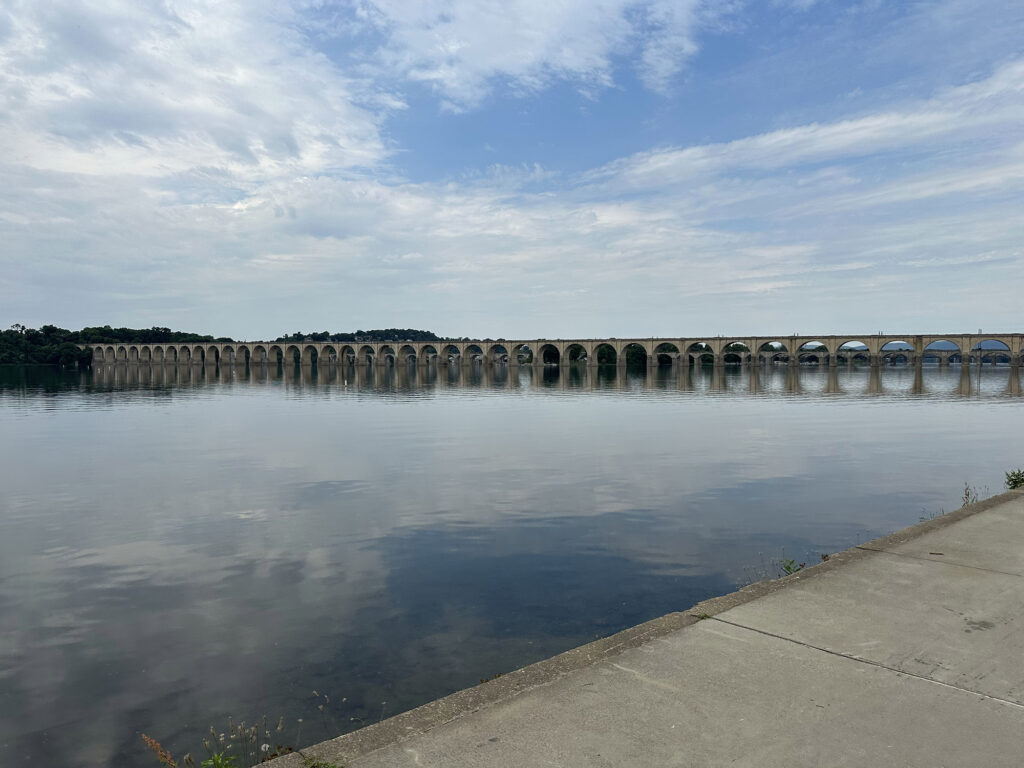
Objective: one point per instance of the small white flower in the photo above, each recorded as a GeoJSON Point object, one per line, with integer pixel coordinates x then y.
{"type": "Point", "coordinates": [264, 747]}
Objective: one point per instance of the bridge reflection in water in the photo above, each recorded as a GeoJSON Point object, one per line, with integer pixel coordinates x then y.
{"type": "Point", "coordinates": [741, 380]}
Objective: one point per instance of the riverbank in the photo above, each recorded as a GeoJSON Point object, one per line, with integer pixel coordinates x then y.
{"type": "Point", "coordinates": [902, 651]}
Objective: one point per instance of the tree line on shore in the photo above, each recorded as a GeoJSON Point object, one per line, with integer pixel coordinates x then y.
{"type": "Point", "coordinates": [51, 345]}
{"type": "Point", "coordinates": [383, 334]}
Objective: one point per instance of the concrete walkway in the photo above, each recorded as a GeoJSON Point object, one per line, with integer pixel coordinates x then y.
{"type": "Point", "coordinates": [906, 651]}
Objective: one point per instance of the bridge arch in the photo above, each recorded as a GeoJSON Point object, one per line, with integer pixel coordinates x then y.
{"type": "Point", "coordinates": [122, 354]}
{"type": "Point", "coordinates": [575, 353]}
{"type": "Point", "coordinates": [474, 353]}
{"type": "Point", "coordinates": [735, 351]}
{"type": "Point", "coordinates": [666, 353]}
{"type": "Point", "coordinates": [310, 355]}
{"type": "Point", "coordinates": [700, 352]}
{"type": "Point", "coordinates": [346, 354]}
{"type": "Point", "coordinates": [897, 345]}
{"type": "Point", "coordinates": [386, 355]}
{"type": "Point", "coordinates": [429, 353]}
{"type": "Point", "coordinates": [773, 351]}
{"type": "Point", "coordinates": [243, 354]}
{"type": "Point", "coordinates": [157, 354]}
{"type": "Point", "coordinates": [605, 354]}
{"type": "Point", "coordinates": [227, 355]}
{"type": "Point", "coordinates": [813, 351]}
{"type": "Point", "coordinates": [407, 353]}
{"type": "Point", "coordinates": [853, 350]}
{"type": "Point", "coordinates": [991, 350]}
{"type": "Point", "coordinates": [450, 352]}
{"type": "Point", "coordinates": [548, 354]}
{"type": "Point", "coordinates": [522, 353]}
{"type": "Point", "coordinates": [146, 353]}
{"type": "Point", "coordinates": [498, 353]}
{"type": "Point", "coordinates": [367, 354]}
{"type": "Point", "coordinates": [133, 354]}
{"type": "Point", "coordinates": [897, 352]}
{"type": "Point", "coordinates": [275, 354]}
{"type": "Point", "coordinates": [329, 355]}
{"type": "Point", "coordinates": [636, 352]}
{"type": "Point", "coordinates": [942, 351]}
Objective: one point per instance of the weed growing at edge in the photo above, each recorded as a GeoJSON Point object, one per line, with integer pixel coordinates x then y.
{"type": "Point", "coordinates": [239, 747]}
{"type": "Point", "coordinates": [1015, 479]}
{"type": "Point", "coordinates": [790, 566]}
{"type": "Point", "coordinates": [218, 760]}
{"type": "Point", "coordinates": [312, 762]}
{"type": "Point", "coordinates": [969, 496]}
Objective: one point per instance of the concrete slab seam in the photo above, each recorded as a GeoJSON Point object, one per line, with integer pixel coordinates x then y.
{"type": "Point", "coordinates": [923, 559]}
{"type": "Point", "coordinates": [870, 662]}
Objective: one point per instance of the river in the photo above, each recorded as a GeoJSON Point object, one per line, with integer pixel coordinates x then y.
{"type": "Point", "coordinates": [180, 544]}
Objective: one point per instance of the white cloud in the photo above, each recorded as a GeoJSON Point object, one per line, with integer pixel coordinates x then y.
{"type": "Point", "coordinates": [162, 89]}
{"type": "Point", "coordinates": [463, 48]}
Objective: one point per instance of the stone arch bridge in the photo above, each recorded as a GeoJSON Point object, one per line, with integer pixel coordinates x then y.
{"type": "Point", "coordinates": [719, 350]}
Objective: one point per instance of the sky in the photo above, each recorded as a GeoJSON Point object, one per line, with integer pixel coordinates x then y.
{"type": "Point", "coordinates": [515, 169]}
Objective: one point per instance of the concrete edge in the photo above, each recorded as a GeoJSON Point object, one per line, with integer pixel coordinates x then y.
{"type": "Point", "coordinates": [351, 746]}
{"type": "Point", "coordinates": [926, 526]}
{"type": "Point", "coordinates": [716, 605]}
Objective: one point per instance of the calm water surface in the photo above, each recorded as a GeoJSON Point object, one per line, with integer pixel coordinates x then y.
{"type": "Point", "coordinates": [182, 544]}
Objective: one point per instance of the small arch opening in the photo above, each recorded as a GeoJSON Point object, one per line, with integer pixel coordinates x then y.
{"type": "Point", "coordinates": [701, 353]}
{"type": "Point", "coordinates": [576, 353]}
{"type": "Point", "coordinates": [549, 354]}
{"type": "Point", "coordinates": [773, 352]}
{"type": "Point", "coordinates": [666, 353]}
{"type": "Point", "coordinates": [635, 355]}
{"type": "Point", "coordinates": [735, 353]}
{"type": "Point", "coordinates": [813, 352]}
{"type": "Point", "coordinates": [991, 352]}
{"type": "Point", "coordinates": [605, 354]}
